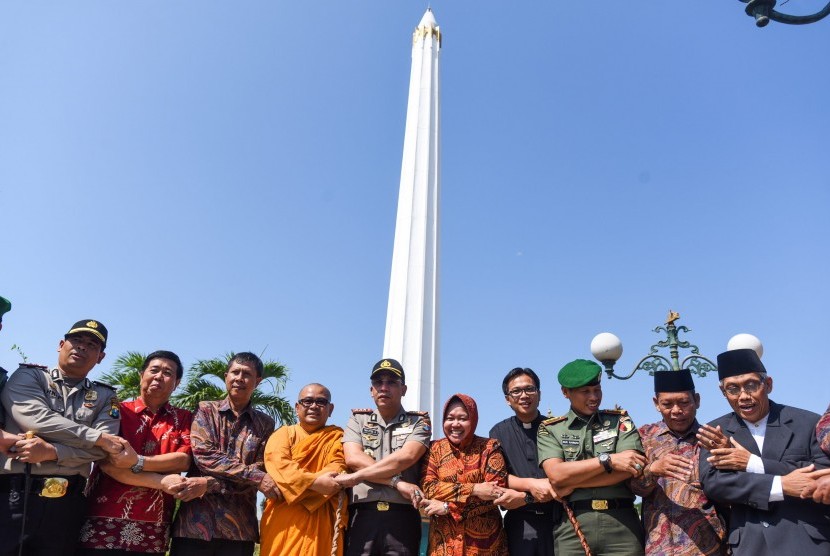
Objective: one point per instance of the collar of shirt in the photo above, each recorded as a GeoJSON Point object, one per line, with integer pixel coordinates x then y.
{"type": "Point", "coordinates": [225, 406]}
{"type": "Point", "coordinates": [663, 428]}
{"type": "Point", "coordinates": [140, 407]}
{"type": "Point", "coordinates": [534, 423]}
{"type": "Point", "coordinates": [583, 419]}
{"type": "Point", "coordinates": [758, 431]}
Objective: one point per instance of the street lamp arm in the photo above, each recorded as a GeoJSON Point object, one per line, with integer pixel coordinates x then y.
{"type": "Point", "coordinates": [699, 365]}
{"type": "Point", "coordinates": [650, 363]}
{"type": "Point", "coordinates": [763, 12]}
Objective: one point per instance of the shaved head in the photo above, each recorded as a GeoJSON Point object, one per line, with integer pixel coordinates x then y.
{"type": "Point", "coordinates": [319, 388]}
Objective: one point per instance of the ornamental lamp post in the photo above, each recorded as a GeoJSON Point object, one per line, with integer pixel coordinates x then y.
{"type": "Point", "coordinates": [607, 349]}
{"type": "Point", "coordinates": [764, 10]}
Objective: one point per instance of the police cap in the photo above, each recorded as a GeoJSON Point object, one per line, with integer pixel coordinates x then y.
{"type": "Point", "coordinates": [89, 326]}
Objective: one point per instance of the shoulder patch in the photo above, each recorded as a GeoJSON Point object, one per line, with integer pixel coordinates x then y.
{"type": "Point", "coordinates": [361, 411]}
{"type": "Point", "coordinates": [34, 366]}
{"type": "Point", "coordinates": [553, 420]}
{"type": "Point", "coordinates": [419, 413]}
{"type": "Point", "coordinates": [615, 411]}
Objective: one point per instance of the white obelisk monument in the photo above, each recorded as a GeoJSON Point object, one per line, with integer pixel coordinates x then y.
{"type": "Point", "coordinates": [412, 314]}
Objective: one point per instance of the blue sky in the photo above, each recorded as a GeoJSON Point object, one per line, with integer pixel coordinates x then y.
{"type": "Point", "coordinates": [213, 176]}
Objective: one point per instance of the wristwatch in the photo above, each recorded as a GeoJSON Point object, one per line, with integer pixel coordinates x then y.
{"type": "Point", "coordinates": [139, 465]}
{"type": "Point", "coordinates": [605, 460]}
{"type": "Point", "coordinates": [529, 499]}
{"type": "Point", "coordinates": [395, 480]}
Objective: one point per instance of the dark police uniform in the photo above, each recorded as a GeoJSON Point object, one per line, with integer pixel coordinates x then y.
{"type": "Point", "coordinates": [378, 514]}
{"type": "Point", "coordinates": [606, 514]}
{"type": "Point", "coordinates": [529, 529]}
{"type": "Point", "coordinates": [71, 417]}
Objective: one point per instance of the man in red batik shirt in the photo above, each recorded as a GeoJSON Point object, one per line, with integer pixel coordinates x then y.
{"type": "Point", "coordinates": [131, 495]}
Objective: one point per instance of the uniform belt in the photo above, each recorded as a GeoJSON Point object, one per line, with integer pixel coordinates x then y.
{"type": "Point", "coordinates": [47, 486]}
{"type": "Point", "coordinates": [381, 506]}
{"type": "Point", "coordinates": [602, 505]}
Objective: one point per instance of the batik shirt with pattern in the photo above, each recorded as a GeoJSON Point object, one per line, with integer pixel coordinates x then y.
{"type": "Point", "coordinates": [823, 431]}
{"type": "Point", "coordinates": [136, 519]}
{"type": "Point", "coordinates": [677, 516]}
{"type": "Point", "coordinates": [231, 449]}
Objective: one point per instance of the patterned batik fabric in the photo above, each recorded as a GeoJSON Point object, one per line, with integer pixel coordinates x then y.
{"type": "Point", "coordinates": [677, 516]}
{"type": "Point", "coordinates": [137, 519]}
{"type": "Point", "coordinates": [474, 526]}
{"type": "Point", "coordinates": [823, 432]}
{"type": "Point", "coordinates": [231, 449]}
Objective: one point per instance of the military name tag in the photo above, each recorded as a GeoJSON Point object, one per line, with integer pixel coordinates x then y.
{"type": "Point", "coordinates": [403, 430]}
{"type": "Point", "coordinates": [570, 442]}
{"type": "Point", "coordinates": [604, 435]}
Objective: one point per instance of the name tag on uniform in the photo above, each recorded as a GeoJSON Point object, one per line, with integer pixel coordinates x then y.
{"type": "Point", "coordinates": [403, 430]}
{"type": "Point", "coordinates": [604, 435]}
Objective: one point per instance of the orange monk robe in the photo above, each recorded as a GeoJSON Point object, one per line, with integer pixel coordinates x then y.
{"type": "Point", "coordinates": [304, 523]}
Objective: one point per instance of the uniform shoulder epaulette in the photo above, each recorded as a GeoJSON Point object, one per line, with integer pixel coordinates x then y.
{"type": "Point", "coordinates": [34, 366]}
{"type": "Point", "coordinates": [418, 413]}
{"type": "Point", "coordinates": [104, 384]}
{"type": "Point", "coordinates": [553, 420]}
{"type": "Point", "coordinates": [361, 411]}
{"type": "Point", "coordinates": [615, 411]}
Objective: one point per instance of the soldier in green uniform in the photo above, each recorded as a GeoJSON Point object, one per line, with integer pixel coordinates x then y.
{"type": "Point", "coordinates": [383, 447]}
{"type": "Point", "coordinates": [7, 439]}
{"type": "Point", "coordinates": [590, 453]}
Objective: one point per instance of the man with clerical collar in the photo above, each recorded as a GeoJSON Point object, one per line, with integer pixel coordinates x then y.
{"type": "Point", "coordinates": [383, 448]}
{"type": "Point", "coordinates": [758, 459]}
{"type": "Point", "coordinates": [590, 454]}
{"type": "Point", "coordinates": [69, 421]}
{"type": "Point", "coordinates": [531, 511]}
{"type": "Point", "coordinates": [677, 516]}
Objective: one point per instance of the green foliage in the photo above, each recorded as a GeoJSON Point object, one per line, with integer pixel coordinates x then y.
{"type": "Point", "coordinates": [20, 352]}
{"type": "Point", "coordinates": [125, 375]}
{"type": "Point", "coordinates": [205, 381]}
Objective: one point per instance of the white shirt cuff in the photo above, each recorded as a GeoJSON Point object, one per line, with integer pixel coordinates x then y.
{"type": "Point", "coordinates": [755, 464]}
{"type": "Point", "coordinates": [776, 493]}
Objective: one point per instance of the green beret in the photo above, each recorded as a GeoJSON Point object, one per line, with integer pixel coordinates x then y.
{"type": "Point", "coordinates": [578, 373]}
{"type": "Point", "coordinates": [5, 307]}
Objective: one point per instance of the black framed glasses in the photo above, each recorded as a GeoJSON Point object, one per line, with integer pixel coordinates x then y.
{"type": "Point", "coordinates": [750, 388]}
{"type": "Point", "coordinates": [516, 393]}
{"type": "Point", "coordinates": [378, 382]}
{"type": "Point", "coordinates": [308, 402]}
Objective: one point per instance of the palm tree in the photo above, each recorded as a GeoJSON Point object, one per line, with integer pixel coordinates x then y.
{"type": "Point", "coordinates": [205, 381]}
{"type": "Point", "coordinates": [125, 375]}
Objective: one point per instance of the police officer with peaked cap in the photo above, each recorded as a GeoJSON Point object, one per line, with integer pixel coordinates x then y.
{"type": "Point", "coordinates": [383, 447]}
{"type": "Point", "coordinates": [592, 452]}
{"type": "Point", "coordinates": [73, 422]}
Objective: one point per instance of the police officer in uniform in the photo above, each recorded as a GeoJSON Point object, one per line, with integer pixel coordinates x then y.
{"type": "Point", "coordinates": [383, 447]}
{"type": "Point", "coordinates": [590, 453]}
{"type": "Point", "coordinates": [70, 421]}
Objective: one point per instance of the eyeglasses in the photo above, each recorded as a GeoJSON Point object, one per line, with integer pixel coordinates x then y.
{"type": "Point", "coordinates": [516, 393]}
{"type": "Point", "coordinates": [750, 388]}
{"type": "Point", "coordinates": [308, 402]}
{"type": "Point", "coordinates": [377, 382]}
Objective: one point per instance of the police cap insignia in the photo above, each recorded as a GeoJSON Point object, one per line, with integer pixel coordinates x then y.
{"type": "Point", "coordinates": [389, 366]}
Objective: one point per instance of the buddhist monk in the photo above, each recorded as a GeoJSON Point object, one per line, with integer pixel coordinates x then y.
{"type": "Point", "coordinates": [303, 460]}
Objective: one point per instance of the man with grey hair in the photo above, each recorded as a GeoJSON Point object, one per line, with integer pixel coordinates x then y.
{"type": "Point", "coordinates": [758, 459]}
